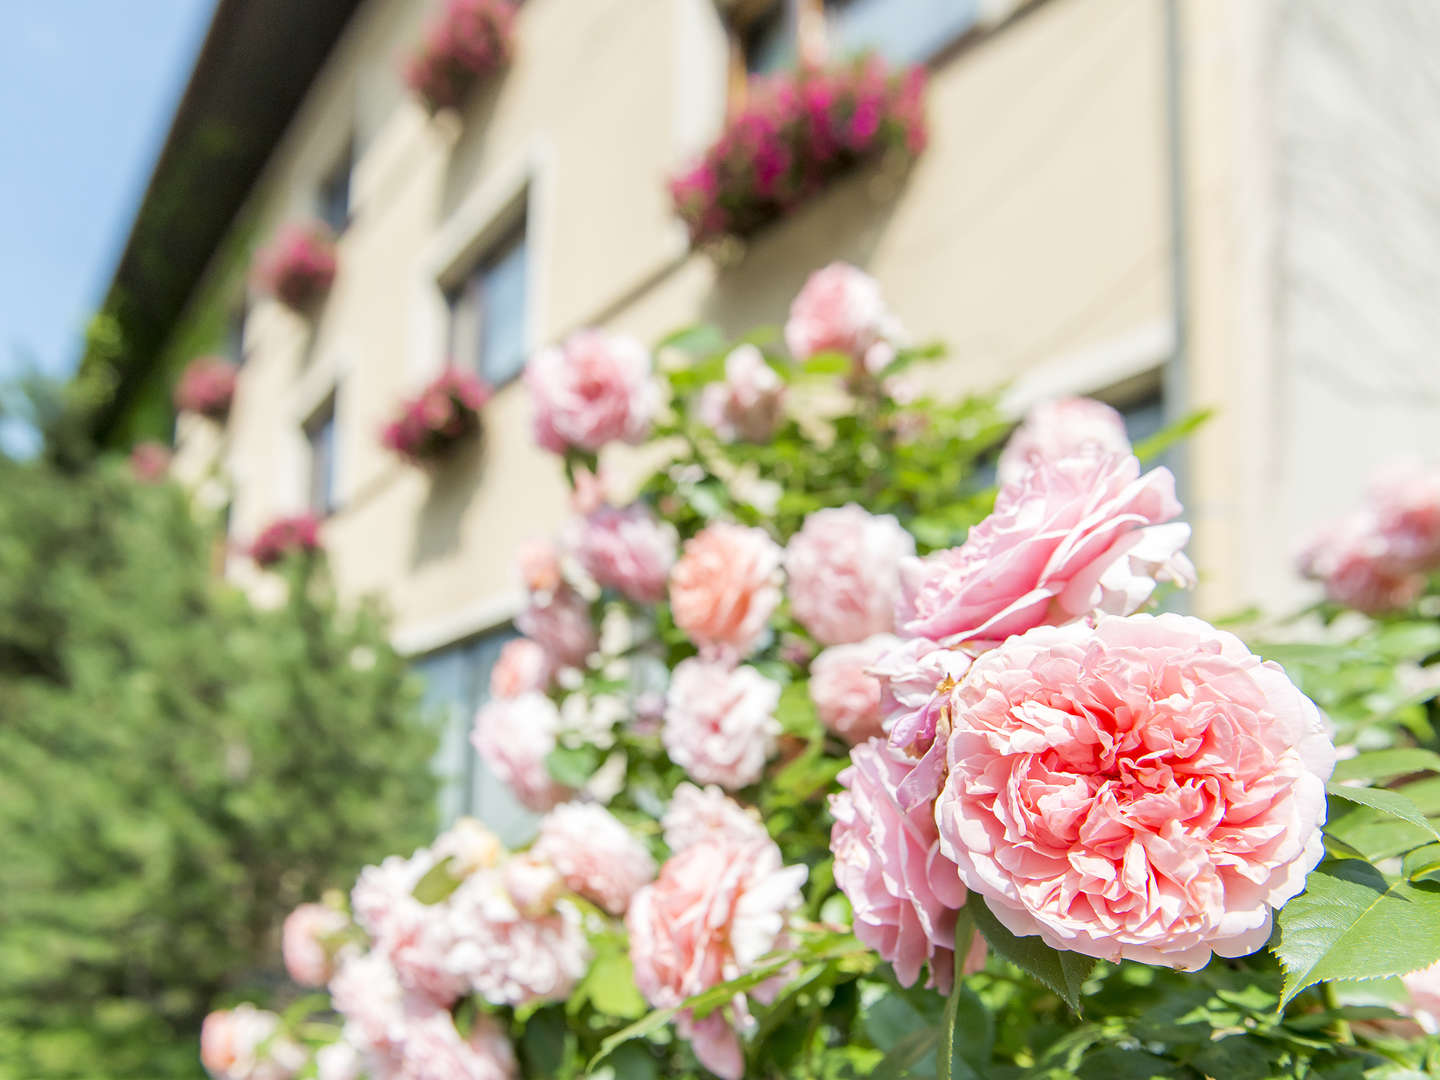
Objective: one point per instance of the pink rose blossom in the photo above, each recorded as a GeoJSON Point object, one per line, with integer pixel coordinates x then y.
{"type": "Point", "coordinates": [1406, 499]}
{"type": "Point", "coordinates": [593, 389]}
{"type": "Point", "coordinates": [434, 1050]}
{"type": "Point", "coordinates": [720, 724]}
{"type": "Point", "coordinates": [309, 956]}
{"type": "Point", "coordinates": [522, 666]}
{"type": "Point", "coordinates": [367, 993]}
{"type": "Point", "coordinates": [840, 309]}
{"type": "Point", "coordinates": [1146, 789]}
{"type": "Point", "coordinates": [207, 387]}
{"type": "Point", "coordinates": [597, 856]}
{"type": "Point", "coordinates": [339, 1061]}
{"type": "Point", "coordinates": [846, 695]}
{"type": "Point", "coordinates": [1358, 568]}
{"type": "Point", "coordinates": [150, 462]}
{"type": "Point", "coordinates": [1072, 537]}
{"type": "Point", "coordinates": [749, 404]}
{"type": "Point", "coordinates": [1424, 988]}
{"type": "Point", "coordinates": [909, 677]}
{"type": "Point", "coordinates": [627, 550]}
{"type": "Point", "coordinates": [532, 884]}
{"type": "Point", "coordinates": [383, 894]}
{"type": "Point", "coordinates": [716, 909]}
{"type": "Point", "coordinates": [242, 1044]}
{"type": "Point", "coordinates": [559, 622]}
{"type": "Point", "coordinates": [298, 534]}
{"type": "Point", "coordinates": [1056, 429]}
{"type": "Point", "coordinates": [888, 862]}
{"type": "Point", "coordinates": [699, 815]}
{"type": "Point", "coordinates": [469, 846]}
{"type": "Point", "coordinates": [725, 588]}
{"type": "Point", "coordinates": [539, 563]}
{"type": "Point", "coordinates": [514, 736]}
{"type": "Point", "coordinates": [843, 568]}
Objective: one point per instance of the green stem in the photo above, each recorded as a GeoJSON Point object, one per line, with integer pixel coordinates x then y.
{"type": "Point", "coordinates": [1343, 1034]}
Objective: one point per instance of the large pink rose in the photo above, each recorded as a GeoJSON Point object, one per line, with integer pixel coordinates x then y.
{"type": "Point", "coordinates": [725, 588]}
{"type": "Point", "coordinates": [697, 815]}
{"type": "Point", "coordinates": [1424, 988]}
{"type": "Point", "coordinates": [748, 405]}
{"type": "Point", "coordinates": [1057, 429]}
{"type": "Point", "coordinates": [720, 724]}
{"type": "Point", "coordinates": [840, 309]}
{"type": "Point", "coordinates": [1358, 567]}
{"type": "Point", "coordinates": [903, 889]}
{"type": "Point", "coordinates": [560, 623]}
{"type": "Point", "coordinates": [307, 942]}
{"type": "Point", "coordinates": [242, 1044]}
{"type": "Point", "coordinates": [593, 389]}
{"type": "Point", "coordinates": [628, 550]}
{"type": "Point", "coordinates": [1072, 537]}
{"type": "Point", "coordinates": [846, 695]}
{"type": "Point", "coordinates": [522, 666]}
{"type": "Point", "coordinates": [597, 857]}
{"type": "Point", "coordinates": [843, 568]}
{"type": "Point", "coordinates": [514, 736]}
{"type": "Point", "coordinates": [1146, 789]}
{"type": "Point", "coordinates": [715, 910]}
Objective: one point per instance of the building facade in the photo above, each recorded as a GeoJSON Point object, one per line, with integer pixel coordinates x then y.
{"type": "Point", "coordinates": [1158, 202]}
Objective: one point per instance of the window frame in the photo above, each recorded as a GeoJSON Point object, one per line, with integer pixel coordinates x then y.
{"type": "Point", "coordinates": [323, 499]}
{"type": "Point", "coordinates": [465, 302]}
{"type": "Point", "coordinates": [340, 172]}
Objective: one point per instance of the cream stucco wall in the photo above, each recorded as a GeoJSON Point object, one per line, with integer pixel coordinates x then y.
{"type": "Point", "coordinates": [1032, 236]}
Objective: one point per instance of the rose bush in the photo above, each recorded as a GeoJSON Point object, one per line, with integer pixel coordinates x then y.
{"type": "Point", "coordinates": [844, 776]}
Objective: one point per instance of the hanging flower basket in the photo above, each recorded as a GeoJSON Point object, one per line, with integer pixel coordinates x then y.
{"type": "Point", "coordinates": [298, 267]}
{"type": "Point", "coordinates": [286, 536]}
{"type": "Point", "coordinates": [445, 413]}
{"type": "Point", "coordinates": [207, 386]}
{"type": "Point", "coordinates": [796, 134]}
{"type": "Point", "coordinates": [470, 40]}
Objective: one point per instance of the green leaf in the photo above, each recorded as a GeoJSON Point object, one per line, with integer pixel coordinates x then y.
{"type": "Point", "coordinates": [437, 884]}
{"type": "Point", "coordinates": [572, 765]}
{"type": "Point", "coordinates": [796, 712]}
{"type": "Point", "coordinates": [1352, 922]}
{"type": "Point", "coordinates": [1386, 801]}
{"type": "Point", "coordinates": [1422, 862]}
{"type": "Point", "coordinates": [828, 363]}
{"type": "Point", "coordinates": [546, 1042]}
{"type": "Point", "coordinates": [610, 987]}
{"type": "Point", "coordinates": [912, 1056]}
{"type": "Point", "coordinates": [700, 340]}
{"type": "Point", "coordinates": [1063, 972]}
{"type": "Point", "coordinates": [1149, 449]}
{"type": "Point", "coordinates": [1378, 765]}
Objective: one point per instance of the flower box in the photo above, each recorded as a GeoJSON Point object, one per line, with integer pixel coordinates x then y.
{"type": "Point", "coordinates": [207, 386]}
{"type": "Point", "coordinates": [470, 40]}
{"type": "Point", "coordinates": [298, 267]}
{"type": "Point", "coordinates": [445, 413]}
{"type": "Point", "coordinates": [286, 536]}
{"type": "Point", "coordinates": [796, 134]}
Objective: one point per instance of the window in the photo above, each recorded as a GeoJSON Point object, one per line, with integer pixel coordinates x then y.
{"type": "Point", "coordinates": [457, 683]}
{"type": "Point", "coordinates": [320, 434]}
{"type": "Point", "coordinates": [332, 198]}
{"type": "Point", "coordinates": [768, 41]}
{"type": "Point", "coordinates": [902, 31]}
{"type": "Point", "coordinates": [488, 313]}
{"type": "Point", "coordinates": [235, 336]}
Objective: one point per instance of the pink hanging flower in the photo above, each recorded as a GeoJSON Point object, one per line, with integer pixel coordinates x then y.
{"type": "Point", "coordinates": [445, 413]}
{"type": "Point", "coordinates": [904, 891]}
{"type": "Point", "coordinates": [627, 550]}
{"type": "Point", "coordinates": [715, 910]}
{"type": "Point", "coordinates": [597, 857]}
{"type": "Point", "coordinates": [1075, 536]}
{"type": "Point", "coordinates": [840, 309]}
{"type": "Point", "coordinates": [697, 815]}
{"type": "Point", "coordinates": [471, 40]}
{"type": "Point", "coordinates": [514, 736]}
{"type": "Point", "coordinates": [720, 724]}
{"type": "Point", "coordinates": [1146, 789]}
{"type": "Point", "coordinates": [846, 695]}
{"type": "Point", "coordinates": [307, 942]}
{"type": "Point", "coordinates": [593, 389]}
{"type": "Point", "coordinates": [725, 588]}
{"type": "Point", "coordinates": [207, 387]}
{"type": "Point", "coordinates": [286, 536]}
{"type": "Point", "coordinates": [749, 405]}
{"type": "Point", "coordinates": [299, 266]}
{"type": "Point", "coordinates": [1057, 429]}
{"type": "Point", "coordinates": [523, 666]}
{"type": "Point", "coordinates": [843, 568]}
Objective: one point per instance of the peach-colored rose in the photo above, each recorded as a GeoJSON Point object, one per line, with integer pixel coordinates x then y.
{"type": "Point", "coordinates": [748, 405]}
{"type": "Point", "coordinates": [1146, 789]}
{"type": "Point", "coordinates": [539, 563]}
{"type": "Point", "coordinates": [846, 695]}
{"type": "Point", "coordinates": [715, 910]}
{"type": "Point", "coordinates": [725, 588]}
{"type": "Point", "coordinates": [1057, 429]}
{"type": "Point", "coordinates": [1424, 988]}
{"type": "Point", "coordinates": [696, 815]}
{"type": "Point", "coordinates": [597, 857]}
{"type": "Point", "coordinates": [1083, 534]}
{"type": "Point", "coordinates": [627, 550]}
{"type": "Point", "coordinates": [843, 571]}
{"type": "Point", "coordinates": [559, 622]}
{"type": "Point", "coordinates": [593, 389]}
{"type": "Point", "coordinates": [903, 889]}
{"type": "Point", "coordinates": [514, 736]}
{"type": "Point", "coordinates": [720, 724]}
{"type": "Point", "coordinates": [306, 942]}
{"type": "Point", "coordinates": [243, 1044]}
{"type": "Point", "coordinates": [523, 665]}
{"type": "Point", "coordinates": [840, 309]}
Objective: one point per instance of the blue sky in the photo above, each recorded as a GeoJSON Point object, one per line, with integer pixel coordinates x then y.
{"type": "Point", "coordinates": [87, 88]}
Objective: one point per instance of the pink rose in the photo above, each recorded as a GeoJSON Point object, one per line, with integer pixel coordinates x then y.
{"type": "Point", "coordinates": [843, 568]}
{"type": "Point", "coordinates": [840, 309]}
{"type": "Point", "coordinates": [910, 676]}
{"type": "Point", "coordinates": [627, 550]}
{"type": "Point", "coordinates": [1358, 567]}
{"type": "Point", "coordinates": [1424, 988]}
{"type": "Point", "coordinates": [1056, 429]}
{"type": "Point", "coordinates": [594, 389]}
{"type": "Point", "coordinates": [539, 564]}
{"type": "Point", "coordinates": [514, 736]}
{"type": "Point", "coordinates": [532, 884]}
{"type": "Point", "coordinates": [725, 588]}
{"type": "Point", "coordinates": [434, 1050]}
{"type": "Point", "coordinates": [749, 404]}
{"type": "Point", "coordinates": [339, 1061]}
{"type": "Point", "coordinates": [559, 622]}
{"type": "Point", "coordinates": [150, 462]}
{"type": "Point", "coordinates": [598, 857]}
{"type": "Point", "coordinates": [366, 992]}
{"type": "Point", "coordinates": [846, 695]}
{"type": "Point", "coordinates": [469, 846]}
{"type": "Point", "coordinates": [383, 894]}
{"type": "Point", "coordinates": [720, 724]}
{"type": "Point", "coordinates": [522, 666]}
{"type": "Point", "coordinates": [1146, 789]}
{"type": "Point", "coordinates": [715, 910]}
{"type": "Point", "coordinates": [1406, 499]}
{"type": "Point", "coordinates": [1080, 535]}
{"type": "Point", "coordinates": [244, 1043]}
{"type": "Point", "coordinates": [697, 815]}
{"type": "Point", "coordinates": [888, 862]}
{"type": "Point", "coordinates": [306, 945]}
